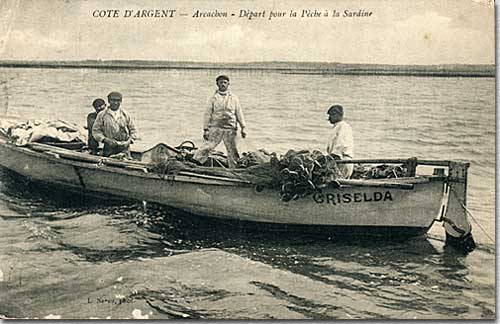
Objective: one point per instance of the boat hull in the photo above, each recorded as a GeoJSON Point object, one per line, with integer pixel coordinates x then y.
{"type": "Point", "coordinates": [348, 209]}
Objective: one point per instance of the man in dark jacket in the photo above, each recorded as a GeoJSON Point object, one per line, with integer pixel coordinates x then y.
{"type": "Point", "coordinates": [98, 104]}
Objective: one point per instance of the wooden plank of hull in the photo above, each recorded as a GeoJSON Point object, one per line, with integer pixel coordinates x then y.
{"type": "Point", "coordinates": [36, 166]}
{"type": "Point", "coordinates": [383, 232]}
{"type": "Point", "coordinates": [343, 207]}
{"type": "Point", "coordinates": [347, 206]}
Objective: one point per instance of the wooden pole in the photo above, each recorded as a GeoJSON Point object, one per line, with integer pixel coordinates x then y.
{"type": "Point", "coordinates": [375, 183]}
{"type": "Point", "coordinates": [445, 163]}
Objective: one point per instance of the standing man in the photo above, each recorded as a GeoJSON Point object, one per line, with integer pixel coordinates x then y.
{"type": "Point", "coordinates": [99, 105]}
{"type": "Point", "coordinates": [114, 127]}
{"type": "Point", "coordinates": [341, 143]}
{"type": "Point", "coordinates": [221, 121]}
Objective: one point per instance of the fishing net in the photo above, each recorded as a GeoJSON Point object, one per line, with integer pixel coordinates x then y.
{"type": "Point", "coordinates": [295, 174]}
{"type": "Point", "coordinates": [49, 131]}
{"type": "Point", "coordinates": [382, 171]}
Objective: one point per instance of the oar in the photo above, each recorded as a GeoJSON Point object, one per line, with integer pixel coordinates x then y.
{"type": "Point", "coordinates": [372, 183]}
{"type": "Point", "coordinates": [210, 177]}
{"type": "Point", "coordinates": [85, 157]}
{"type": "Point", "coordinates": [444, 163]}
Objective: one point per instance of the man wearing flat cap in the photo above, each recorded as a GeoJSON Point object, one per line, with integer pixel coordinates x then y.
{"type": "Point", "coordinates": [98, 104]}
{"type": "Point", "coordinates": [114, 127]}
{"type": "Point", "coordinates": [220, 123]}
{"type": "Point", "coordinates": [341, 142]}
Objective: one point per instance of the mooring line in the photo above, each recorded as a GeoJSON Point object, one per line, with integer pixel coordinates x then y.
{"type": "Point", "coordinates": [472, 217]}
{"type": "Point", "coordinates": [477, 223]}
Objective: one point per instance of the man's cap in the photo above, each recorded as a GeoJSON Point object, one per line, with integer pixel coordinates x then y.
{"type": "Point", "coordinates": [98, 103]}
{"type": "Point", "coordinates": [114, 95]}
{"type": "Point", "coordinates": [336, 109]}
{"type": "Point", "coordinates": [222, 77]}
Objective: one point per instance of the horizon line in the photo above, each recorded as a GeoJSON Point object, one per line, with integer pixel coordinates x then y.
{"type": "Point", "coordinates": [229, 63]}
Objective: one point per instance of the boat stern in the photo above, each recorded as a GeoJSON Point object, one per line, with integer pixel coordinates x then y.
{"type": "Point", "coordinates": [455, 214]}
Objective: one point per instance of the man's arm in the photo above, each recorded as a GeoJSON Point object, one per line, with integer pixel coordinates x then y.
{"type": "Point", "coordinates": [240, 118]}
{"type": "Point", "coordinates": [134, 134]}
{"type": "Point", "coordinates": [208, 113]}
{"type": "Point", "coordinates": [207, 117]}
{"type": "Point", "coordinates": [90, 122]}
{"type": "Point", "coordinates": [98, 128]}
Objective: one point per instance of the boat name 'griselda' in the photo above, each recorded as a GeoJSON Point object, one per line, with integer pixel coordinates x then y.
{"type": "Point", "coordinates": [351, 197]}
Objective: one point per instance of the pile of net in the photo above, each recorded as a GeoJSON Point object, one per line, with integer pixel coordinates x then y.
{"type": "Point", "coordinates": [50, 131]}
{"type": "Point", "coordinates": [383, 171]}
{"type": "Point", "coordinates": [295, 174]}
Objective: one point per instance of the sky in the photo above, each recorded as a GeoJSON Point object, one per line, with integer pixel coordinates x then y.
{"type": "Point", "coordinates": [397, 31]}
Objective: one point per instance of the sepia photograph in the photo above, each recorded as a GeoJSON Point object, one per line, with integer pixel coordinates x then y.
{"type": "Point", "coordinates": [247, 160]}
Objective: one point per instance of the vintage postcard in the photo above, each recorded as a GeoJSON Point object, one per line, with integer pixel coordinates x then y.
{"type": "Point", "coordinates": [255, 160]}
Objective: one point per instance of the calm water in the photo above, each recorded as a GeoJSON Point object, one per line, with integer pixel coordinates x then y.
{"type": "Point", "coordinates": [63, 254]}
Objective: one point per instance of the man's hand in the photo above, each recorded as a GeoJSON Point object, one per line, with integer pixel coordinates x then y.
{"type": "Point", "coordinates": [243, 133]}
{"type": "Point", "coordinates": [124, 143]}
{"type": "Point", "coordinates": [205, 134]}
{"type": "Point", "coordinates": [110, 142]}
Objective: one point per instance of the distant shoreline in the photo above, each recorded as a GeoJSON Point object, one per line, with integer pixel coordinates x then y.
{"type": "Point", "coordinates": [310, 68]}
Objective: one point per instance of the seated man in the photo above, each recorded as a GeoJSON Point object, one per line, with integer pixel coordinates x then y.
{"type": "Point", "coordinates": [114, 127]}
{"type": "Point", "coordinates": [99, 105]}
{"type": "Point", "coordinates": [341, 143]}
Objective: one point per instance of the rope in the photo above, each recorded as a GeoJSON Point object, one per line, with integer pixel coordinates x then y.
{"type": "Point", "coordinates": [472, 217]}
{"type": "Point", "coordinates": [477, 223]}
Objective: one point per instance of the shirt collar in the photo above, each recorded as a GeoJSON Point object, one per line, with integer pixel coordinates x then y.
{"type": "Point", "coordinates": [116, 113]}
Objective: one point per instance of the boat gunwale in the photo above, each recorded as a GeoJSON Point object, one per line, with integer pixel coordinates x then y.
{"type": "Point", "coordinates": [134, 170]}
{"type": "Point", "coordinates": [138, 169]}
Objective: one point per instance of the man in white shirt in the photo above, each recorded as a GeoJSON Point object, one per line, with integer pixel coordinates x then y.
{"type": "Point", "coordinates": [221, 121]}
{"type": "Point", "coordinates": [341, 143]}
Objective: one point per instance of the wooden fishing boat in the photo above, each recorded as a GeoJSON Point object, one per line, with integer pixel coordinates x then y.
{"type": "Point", "coordinates": [401, 207]}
